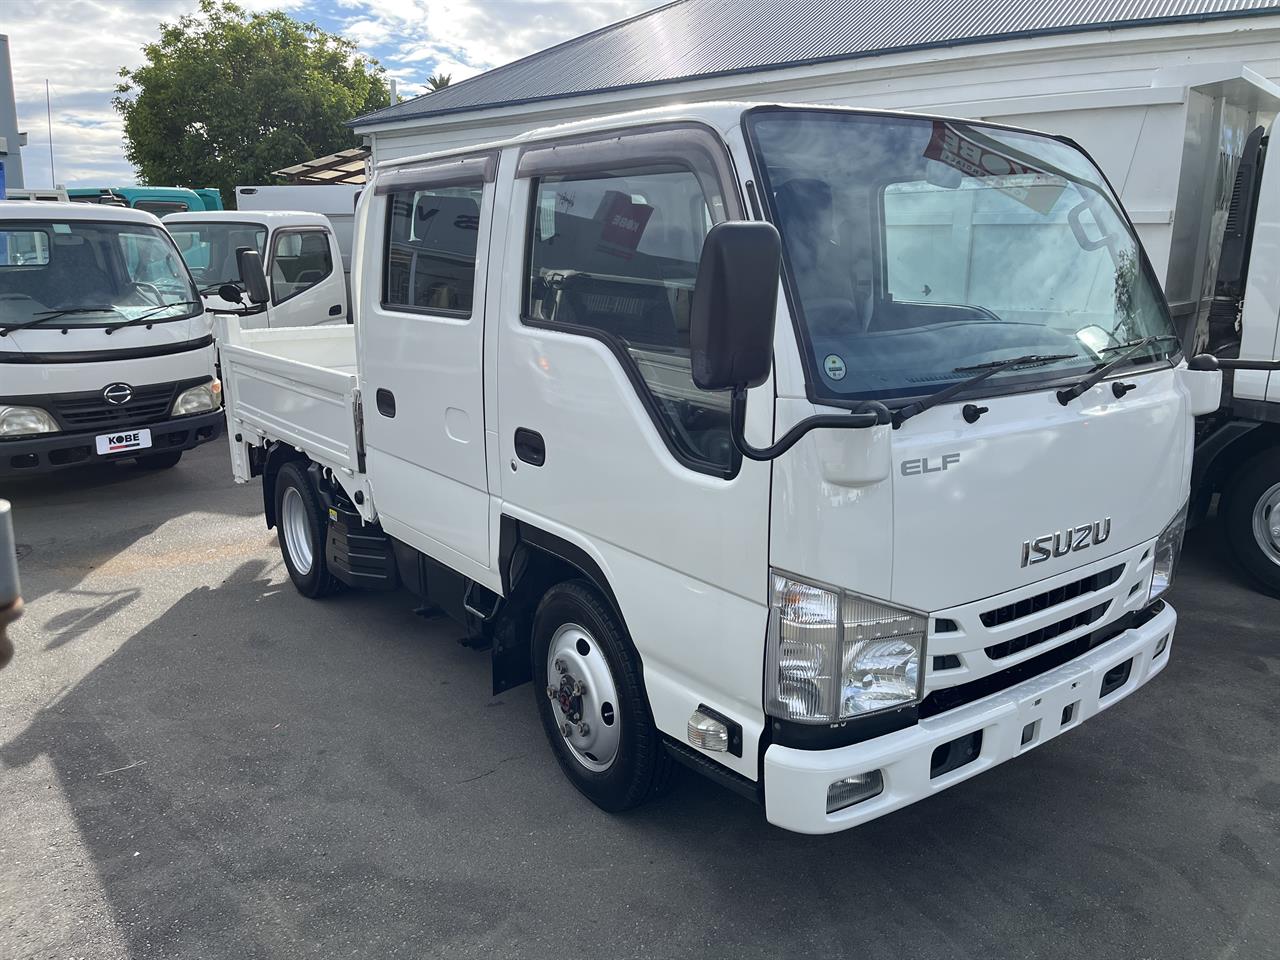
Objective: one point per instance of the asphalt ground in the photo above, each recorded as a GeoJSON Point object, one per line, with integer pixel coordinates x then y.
{"type": "Point", "coordinates": [197, 762]}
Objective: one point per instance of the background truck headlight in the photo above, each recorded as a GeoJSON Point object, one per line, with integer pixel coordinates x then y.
{"type": "Point", "coordinates": [833, 655]}
{"type": "Point", "coordinates": [198, 399]}
{"type": "Point", "coordinates": [1168, 548]}
{"type": "Point", "coordinates": [23, 421]}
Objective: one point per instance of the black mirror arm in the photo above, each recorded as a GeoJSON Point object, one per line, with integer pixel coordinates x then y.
{"type": "Point", "coordinates": [1207, 361]}
{"type": "Point", "coordinates": [869, 414]}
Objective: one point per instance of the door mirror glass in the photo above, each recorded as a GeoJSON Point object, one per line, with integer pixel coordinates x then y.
{"type": "Point", "coordinates": [734, 305]}
{"type": "Point", "coordinates": [251, 275]}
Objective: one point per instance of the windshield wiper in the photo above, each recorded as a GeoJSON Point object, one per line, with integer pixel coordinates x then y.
{"type": "Point", "coordinates": [987, 370]}
{"type": "Point", "coordinates": [144, 317]}
{"type": "Point", "coordinates": [1099, 373]}
{"type": "Point", "coordinates": [215, 287]}
{"type": "Point", "coordinates": [46, 316]}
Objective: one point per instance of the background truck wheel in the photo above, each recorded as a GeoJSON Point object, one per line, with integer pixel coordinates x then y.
{"type": "Point", "coordinates": [1251, 518]}
{"type": "Point", "coordinates": [160, 461]}
{"type": "Point", "coordinates": [300, 528]}
{"type": "Point", "coordinates": [592, 702]}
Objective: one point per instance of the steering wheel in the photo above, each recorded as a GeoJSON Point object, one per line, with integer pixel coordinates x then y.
{"type": "Point", "coordinates": [151, 290]}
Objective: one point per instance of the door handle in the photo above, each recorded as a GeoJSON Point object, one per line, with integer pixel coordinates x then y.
{"type": "Point", "coordinates": [386, 401]}
{"type": "Point", "coordinates": [530, 447]}
{"type": "Point", "coordinates": [335, 310]}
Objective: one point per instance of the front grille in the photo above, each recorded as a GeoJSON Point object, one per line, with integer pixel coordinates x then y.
{"type": "Point", "coordinates": [1046, 633]}
{"type": "Point", "coordinates": [948, 698]}
{"type": "Point", "coordinates": [91, 411]}
{"type": "Point", "coordinates": [1051, 598]}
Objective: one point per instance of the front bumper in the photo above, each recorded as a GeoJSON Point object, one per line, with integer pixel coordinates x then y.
{"type": "Point", "coordinates": [796, 781]}
{"type": "Point", "coordinates": [56, 451]}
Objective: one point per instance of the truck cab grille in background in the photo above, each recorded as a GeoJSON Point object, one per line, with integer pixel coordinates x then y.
{"type": "Point", "coordinates": [1050, 598]}
{"type": "Point", "coordinates": [1036, 637]}
{"type": "Point", "coordinates": [90, 410]}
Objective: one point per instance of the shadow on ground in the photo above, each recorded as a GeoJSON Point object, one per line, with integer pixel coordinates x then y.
{"type": "Point", "coordinates": [257, 775]}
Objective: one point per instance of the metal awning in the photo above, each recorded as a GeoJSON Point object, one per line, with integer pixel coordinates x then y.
{"type": "Point", "coordinates": [345, 166]}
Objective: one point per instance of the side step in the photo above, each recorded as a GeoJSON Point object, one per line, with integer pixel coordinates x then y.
{"type": "Point", "coordinates": [359, 554]}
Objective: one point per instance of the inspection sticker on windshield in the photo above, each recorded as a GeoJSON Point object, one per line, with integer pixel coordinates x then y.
{"type": "Point", "coordinates": [834, 366]}
{"type": "Point", "coordinates": [122, 441]}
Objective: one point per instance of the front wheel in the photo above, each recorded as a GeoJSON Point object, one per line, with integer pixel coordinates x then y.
{"type": "Point", "coordinates": [591, 700]}
{"type": "Point", "coordinates": [300, 528]}
{"type": "Point", "coordinates": [1251, 517]}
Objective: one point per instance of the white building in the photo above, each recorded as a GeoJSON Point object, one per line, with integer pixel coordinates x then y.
{"type": "Point", "coordinates": [1163, 93]}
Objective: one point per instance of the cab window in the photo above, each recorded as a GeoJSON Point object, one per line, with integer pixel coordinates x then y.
{"type": "Point", "coordinates": [299, 260]}
{"type": "Point", "coordinates": [430, 254]}
{"type": "Point", "coordinates": [614, 255]}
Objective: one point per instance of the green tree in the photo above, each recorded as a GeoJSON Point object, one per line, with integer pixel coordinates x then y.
{"type": "Point", "coordinates": [438, 81]}
{"type": "Point", "coordinates": [226, 96]}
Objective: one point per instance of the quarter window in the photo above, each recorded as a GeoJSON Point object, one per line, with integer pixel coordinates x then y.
{"type": "Point", "coordinates": [616, 255]}
{"type": "Point", "coordinates": [299, 260]}
{"type": "Point", "coordinates": [431, 250]}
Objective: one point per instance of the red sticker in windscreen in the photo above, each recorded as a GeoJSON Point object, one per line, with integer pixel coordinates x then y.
{"type": "Point", "coordinates": [1029, 185]}
{"type": "Point", "coordinates": [622, 222]}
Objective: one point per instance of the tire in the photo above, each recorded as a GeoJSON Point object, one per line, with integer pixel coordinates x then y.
{"type": "Point", "coordinates": [620, 762]}
{"type": "Point", "coordinates": [300, 529]}
{"type": "Point", "coordinates": [160, 461]}
{"type": "Point", "coordinates": [1251, 518]}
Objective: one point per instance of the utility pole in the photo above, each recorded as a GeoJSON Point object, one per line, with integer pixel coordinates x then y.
{"type": "Point", "coordinates": [48, 116]}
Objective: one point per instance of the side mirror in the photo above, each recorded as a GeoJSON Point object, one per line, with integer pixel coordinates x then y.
{"type": "Point", "coordinates": [251, 275]}
{"type": "Point", "coordinates": [229, 292]}
{"type": "Point", "coordinates": [734, 305]}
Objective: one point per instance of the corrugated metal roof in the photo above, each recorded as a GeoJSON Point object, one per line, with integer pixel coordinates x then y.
{"type": "Point", "coordinates": [699, 38]}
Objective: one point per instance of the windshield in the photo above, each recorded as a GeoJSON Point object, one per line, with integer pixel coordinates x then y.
{"type": "Point", "coordinates": [210, 249]}
{"type": "Point", "coordinates": [103, 273]}
{"type": "Point", "coordinates": [917, 249]}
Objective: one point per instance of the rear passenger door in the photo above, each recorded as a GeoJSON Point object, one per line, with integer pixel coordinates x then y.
{"type": "Point", "coordinates": [307, 287]}
{"type": "Point", "coordinates": [421, 334]}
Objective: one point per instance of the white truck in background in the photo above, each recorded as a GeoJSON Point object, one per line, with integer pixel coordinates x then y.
{"type": "Point", "coordinates": [303, 264]}
{"type": "Point", "coordinates": [839, 561]}
{"type": "Point", "coordinates": [106, 352]}
{"type": "Point", "coordinates": [335, 201]}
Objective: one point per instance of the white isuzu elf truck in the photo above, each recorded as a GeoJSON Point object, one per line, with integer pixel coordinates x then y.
{"type": "Point", "coordinates": [840, 455]}
{"type": "Point", "coordinates": [105, 349]}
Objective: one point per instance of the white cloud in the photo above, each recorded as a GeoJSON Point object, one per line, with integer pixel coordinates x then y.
{"type": "Point", "coordinates": [80, 45]}
{"type": "Point", "coordinates": [415, 38]}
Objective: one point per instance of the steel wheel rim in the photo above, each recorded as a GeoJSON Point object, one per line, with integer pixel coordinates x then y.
{"type": "Point", "coordinates": [297, 530]}
{"type": "Point", "coordinates": [1266, 523]}
{"type": "Point", "coordinates": [576, 662]}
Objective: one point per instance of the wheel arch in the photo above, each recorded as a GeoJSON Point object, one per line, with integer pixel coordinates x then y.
{"type": "Point", "coordinates": [532, 561]}
{"type": "Point", "coordinates": [277, 455]}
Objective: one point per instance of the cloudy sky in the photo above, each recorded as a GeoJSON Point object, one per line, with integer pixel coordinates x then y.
{"type": "Point", "coordinates": [79, 45]}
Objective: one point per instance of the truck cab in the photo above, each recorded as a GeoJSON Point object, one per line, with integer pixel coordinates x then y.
{"type": "Point", "coordinates": [303, 264]}
{"type": "Point", "coordinates": [837, 454]}
{"type": "Point", "coordinates": [105, 350]}
{"type": "Point", "coordinates": [157, 200]}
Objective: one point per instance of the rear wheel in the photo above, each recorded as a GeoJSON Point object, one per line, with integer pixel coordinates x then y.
{"type": "Point", "coordinates": [591, 700]}
{"type": "Point", "coordinates": [300, 528]}
{"type": "Point", "coordinates": [160, 461]}
{"type": "Point", "coordinates": [1251, 517]}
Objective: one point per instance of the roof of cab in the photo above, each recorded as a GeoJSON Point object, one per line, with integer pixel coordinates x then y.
{"type": "Point", "coordinates": [721, 115]}
{"type": "Point", "coordinates": [57, 210]}
{"type": "Point", "coordinates": [266, 218]}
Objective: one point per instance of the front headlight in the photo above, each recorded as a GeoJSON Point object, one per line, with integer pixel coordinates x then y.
{"type": "Point", "coordinates": [833, 655]}
{"type": "Point", "coordinates": [1168, 547]}
{"type": "Point", "coordinates": [23, 421]}
{"type": "Point", "coordinates": [198, 399]}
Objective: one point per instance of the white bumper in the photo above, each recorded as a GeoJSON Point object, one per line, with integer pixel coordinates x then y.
{"type": "Point", "coordinates": [796, 781]}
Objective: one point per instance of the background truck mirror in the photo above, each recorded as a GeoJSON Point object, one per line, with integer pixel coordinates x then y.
{"type": "Point", "coordinates": [734, 305]}
{"type": "Point", "coordinates": [252, 276]}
